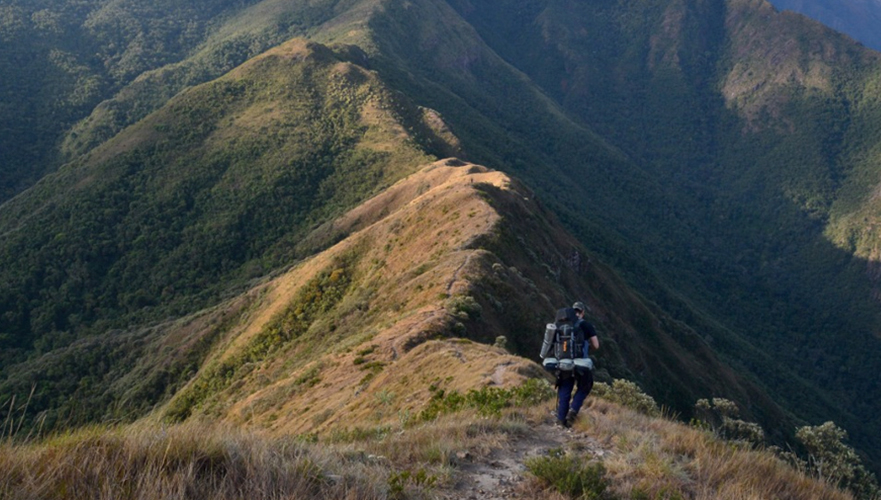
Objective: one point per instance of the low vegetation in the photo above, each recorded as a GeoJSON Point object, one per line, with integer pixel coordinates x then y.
{"type": "Point", "coordinates": [616, 452]}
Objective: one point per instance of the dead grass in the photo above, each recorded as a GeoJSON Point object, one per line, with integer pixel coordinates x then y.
{"type": "Point", "coordinates": [188, 461]}
{"type": "Point", "coordinates": [660, 458]}
{"type": "Point", "coordinates": [411, 241]}
{"type": "Point", "coordinates": [200, 460]}
{"type": "Point", "coordinates": [643, 457]}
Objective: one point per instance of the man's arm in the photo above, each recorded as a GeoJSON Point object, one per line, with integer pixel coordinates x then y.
{"type": "Point", "coordinates": [591, 333]}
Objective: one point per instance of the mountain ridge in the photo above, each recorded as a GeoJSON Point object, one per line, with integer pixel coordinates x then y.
{"type": "Point", "coordinates": [709, 211]}
{"type": "Point", "coordinates": [377, 375]}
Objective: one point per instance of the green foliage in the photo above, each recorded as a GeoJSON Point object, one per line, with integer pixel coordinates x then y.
{"type": "Point", "coordinates": [61, 59]}
{"type": "Point", "coordinates": [715, 209]}
{"type": "Point", "coordinates": [464, 307]}
{"type": "Point", "coordinates": [501, 342]}
{"type": "Point", "coordinates": [398, 481]}
{"type": "Point", "coordinates": [118, 376]}
{"type": "Point", "coordinates": [832, 461]}
{"type": "Point", "coordinates": [487, 401]}
{"type": "Point", "coordinates": [627, 393]}
{"type": "Point", "coordinates": [208, 194]}
{"type": "Point", "coordinates": [570, 475]}
{"type": "Point", "coordinates": [721, 415]}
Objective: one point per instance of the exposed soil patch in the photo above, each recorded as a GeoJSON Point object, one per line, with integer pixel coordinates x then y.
{"type": "Point", "coordinates": [501, 474]}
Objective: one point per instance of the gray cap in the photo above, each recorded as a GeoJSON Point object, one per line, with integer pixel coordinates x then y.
{"type": "Point", "coordinates": [579, 306]}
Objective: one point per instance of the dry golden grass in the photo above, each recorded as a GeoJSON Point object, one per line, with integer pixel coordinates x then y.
{"type": "Point", "coordinates": [660, 458]}
{"type": "Point", "coordinates": [196, 460]}
{"type": "Point", "coordinates": [188, 461]}
{"type": "Point", "coordinates": [643, 457]}
{"type": "Point", "coordinates": [411, 241]}
{"type": "Point", "coordinates": [363, 392]}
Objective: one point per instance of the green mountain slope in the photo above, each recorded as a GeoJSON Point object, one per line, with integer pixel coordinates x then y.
{"type": "Point", "coordinates": [216, 188]}
{"type": "Point", "coordinates": [61, 59]}
{"type": "Point", "coordinates": [446, 253]}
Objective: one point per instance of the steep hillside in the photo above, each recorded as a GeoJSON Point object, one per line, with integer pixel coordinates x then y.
{"type": "Point", "coordinates": [424, 276]}
{"type": "Point", "coordinates": [217, 188]}
{"type": "Point", "coordinates": [62, 58]}
{"type": "Point", "coordinates": [362, 332]}
{"type": "Point", "coordinates": [739, 129]}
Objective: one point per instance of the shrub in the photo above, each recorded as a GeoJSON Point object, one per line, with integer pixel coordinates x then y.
{"type": "Point", "coordinates": [570, 475]}
{"type": "Point", "coordinates": [832, 461]}
{"type": "Point", "coordinates": [627, 393]}
{"type": "Point", "coordinates": [464, 307]}
{"type": "Point", "coordinates": [720, 416]}
{"type": "Point", "coordinates": [398, 481]}
{"type": "Point", "coordinates": [488, 400]}
{"type": "Point", "coordinates": [501, 342]}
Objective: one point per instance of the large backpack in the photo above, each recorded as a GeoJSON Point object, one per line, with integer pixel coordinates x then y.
{"type": "Point", "coordinates": [567, 342]}
{"type": "Point", "coordinates": [568, 346]}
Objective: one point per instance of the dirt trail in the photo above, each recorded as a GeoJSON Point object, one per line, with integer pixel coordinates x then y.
{"type": "Point", "coordinates": [498, 476]}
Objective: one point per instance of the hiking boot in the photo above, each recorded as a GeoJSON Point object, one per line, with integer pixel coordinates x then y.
{"type": "Point", "coordinates": [571, 417]}
{"type": "Point", "coordinates": [563, 423]}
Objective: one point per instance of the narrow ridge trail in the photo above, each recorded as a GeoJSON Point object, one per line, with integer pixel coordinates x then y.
{"type": "Point", "coordinates": [499, 475]}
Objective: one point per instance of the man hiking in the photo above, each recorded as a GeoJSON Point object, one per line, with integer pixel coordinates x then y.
{"type": "Point", "coordinates": [572, 337]}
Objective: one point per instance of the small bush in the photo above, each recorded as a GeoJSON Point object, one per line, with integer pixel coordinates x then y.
{"type": "Point", "coordinates": [366, 351]}
{"type": "Point", "coordinates": [464, 307]}
{"type": "Point", "coordinates": [501, 342]}
{"type": "Point", "coordinates": [834, 462]}
{"type": "Point", "coordinates": [571, 476]}
{"type": "Point", "coordinates": [488, 400]}
{"type": "Point", "coordinates": [720, 416]}
{"type": "Point", "coordinates": [626, 393]}
{"type": "Point", "coordinates": [398, 482]}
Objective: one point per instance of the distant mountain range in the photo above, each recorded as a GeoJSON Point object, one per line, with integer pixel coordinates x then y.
{"type": "Point", "coordinates": [861, 19]}
{"type": "Point", "coordinates": [184, 221]}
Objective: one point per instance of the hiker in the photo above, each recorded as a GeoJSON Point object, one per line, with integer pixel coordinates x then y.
{"type": "Point", "coordinates": [571, 337]}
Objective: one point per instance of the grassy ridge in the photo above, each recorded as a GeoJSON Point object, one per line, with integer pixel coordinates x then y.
{"type": "Point", "coordinates": [660, 134]}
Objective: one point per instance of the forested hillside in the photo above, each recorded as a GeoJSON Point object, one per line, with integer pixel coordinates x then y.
{"type": "Point", "coordinates": [721, 156]}
{"type": "Point", "coordinates": [61, 59]}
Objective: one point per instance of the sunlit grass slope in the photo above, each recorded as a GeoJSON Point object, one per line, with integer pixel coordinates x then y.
{"type": "Point", "coordinates": [424, 277]}
{"type": "Point", "coordinates": [615, 453]}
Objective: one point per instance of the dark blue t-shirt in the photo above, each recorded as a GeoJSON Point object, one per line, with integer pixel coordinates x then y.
{"type": "Point", "coordinates": [588, 330]}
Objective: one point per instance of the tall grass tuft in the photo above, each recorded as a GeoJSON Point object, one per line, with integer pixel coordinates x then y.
{"type": "Point", "coordinates": [659, 458]}
{"type": "Point", "coordinates": [187, 461]}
